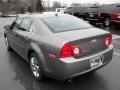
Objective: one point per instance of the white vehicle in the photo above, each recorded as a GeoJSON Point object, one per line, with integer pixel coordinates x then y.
{"type": "Point", "coordinates": [60, 10]}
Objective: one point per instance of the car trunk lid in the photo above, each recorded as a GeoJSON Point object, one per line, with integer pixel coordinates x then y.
{"type": "Point", "coordinates": [89, 40]}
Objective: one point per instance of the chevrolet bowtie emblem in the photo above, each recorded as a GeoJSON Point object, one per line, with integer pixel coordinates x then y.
{"type": "Point", "coordinates": [93, 41]}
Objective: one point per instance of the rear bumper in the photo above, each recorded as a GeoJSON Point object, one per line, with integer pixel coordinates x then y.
{"type": "Point", "coordinates": [89, 70]}
{"type": "Point", "coordinates": [66, 68]}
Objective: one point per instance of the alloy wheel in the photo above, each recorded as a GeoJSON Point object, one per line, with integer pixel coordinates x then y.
{"type": "Point", "coordinates": [35, 67]}
{"type": "Point", "coordinates": [107, 22]}
{"type": "Point", "coordinates": [6, 41]}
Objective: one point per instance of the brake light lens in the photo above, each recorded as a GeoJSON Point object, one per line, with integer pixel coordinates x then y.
{"type": "Point", "coordinates": [108, 40]}
{"type": "Point", "coordinates": [76, 51]}
{"type": "Point", "coordinates": [66, 51]}
{"type": "Point", "coordinates": [70, 51]}
{"type": "Point", "coordinates": [118, 15]}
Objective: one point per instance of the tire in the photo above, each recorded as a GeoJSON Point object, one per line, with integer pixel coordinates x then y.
{"type": "Point", "coordinates": [36, 67]}
{"type": "Point", "coordinates": [106, 22]}
{"type": "Point", "coordinates": [7, 44]}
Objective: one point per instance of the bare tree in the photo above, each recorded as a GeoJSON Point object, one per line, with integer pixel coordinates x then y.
{"type": "Point", "coordinates": [1, 1]}
{"type": "Point", "coordinates": [22, 10]}
{"type": "Point", "coordinates": [21, 6]}
{"type": "Point", "coordinates": [5, 7]}
{"type": "Point", "coordinates": [29, 9]}
{"type": "Point", "coordinates": [56, 4]}
{"type": "Point", "coordinates": [39, 6]}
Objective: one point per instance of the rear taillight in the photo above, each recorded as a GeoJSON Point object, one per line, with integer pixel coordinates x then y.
{"type": "Point", "coordinates": [115, 15]}
{"type": "Point", "coordinates": [66, 51]}
{"type": "Point", "coordinates": [70, 51]}
{"type": "Point", "coordinates": [108, 40]}
{"type": "Point", "coordinates": [118, 15]}
{"type": "Point", "coordinates": [76, 51]}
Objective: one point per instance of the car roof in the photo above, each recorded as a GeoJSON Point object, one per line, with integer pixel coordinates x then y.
{"type": "Point", "coordinates": [42, 15]}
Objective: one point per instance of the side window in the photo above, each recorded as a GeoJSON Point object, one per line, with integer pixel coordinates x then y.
{"type": "Point", "coordinates": [26, 24]}
{"type": "Point", "coordinates": [32, 28]}
{"type": "Point", "coordinates": [16, 24]}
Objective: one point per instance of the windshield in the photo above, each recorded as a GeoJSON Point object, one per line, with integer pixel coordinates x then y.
{"type": "Point", "coordinates": [65, 23]}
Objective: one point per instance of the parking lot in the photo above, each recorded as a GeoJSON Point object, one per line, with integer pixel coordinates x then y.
{"type": "Point", "coordinates": [15, 73]}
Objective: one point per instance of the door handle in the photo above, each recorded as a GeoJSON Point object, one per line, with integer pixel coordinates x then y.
{"type": "Point", "coordinates": [27, 38]}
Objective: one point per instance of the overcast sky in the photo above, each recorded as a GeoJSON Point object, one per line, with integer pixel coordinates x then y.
{"type": "Point", "coordinates": [86, 1]}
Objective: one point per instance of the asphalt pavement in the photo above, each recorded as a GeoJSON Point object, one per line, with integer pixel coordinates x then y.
{"type": "Point", "coordinates": [15, 73]}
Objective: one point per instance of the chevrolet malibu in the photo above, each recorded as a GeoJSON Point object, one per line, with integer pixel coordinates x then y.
{"type": "Point", "coordinates": [59, 46]}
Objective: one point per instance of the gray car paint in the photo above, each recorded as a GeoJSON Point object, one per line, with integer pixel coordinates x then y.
{"type": "Point", "coordinates": [43, 42]}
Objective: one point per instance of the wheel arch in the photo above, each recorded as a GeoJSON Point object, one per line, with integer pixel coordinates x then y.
{"type": "Point", "coordinates": [37, 49]}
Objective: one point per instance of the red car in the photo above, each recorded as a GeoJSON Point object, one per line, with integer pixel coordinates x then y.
{"type": "Point", "coordinates": [115, 16]}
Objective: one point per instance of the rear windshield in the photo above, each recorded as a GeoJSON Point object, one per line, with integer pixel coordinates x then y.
{"type": "Point", "coordinates": [65, 23]}
{"type": "Point", "coordinates": [93, 9]}
{"type": "Point", "coordinates": [69, 7]}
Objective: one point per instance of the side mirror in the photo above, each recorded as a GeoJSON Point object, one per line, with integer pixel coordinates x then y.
{"type": "Point", "coordinates": [7, 27]}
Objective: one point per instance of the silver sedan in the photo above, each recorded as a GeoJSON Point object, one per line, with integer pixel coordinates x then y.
{"type": "Point", "coordinates": [59, 46]}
